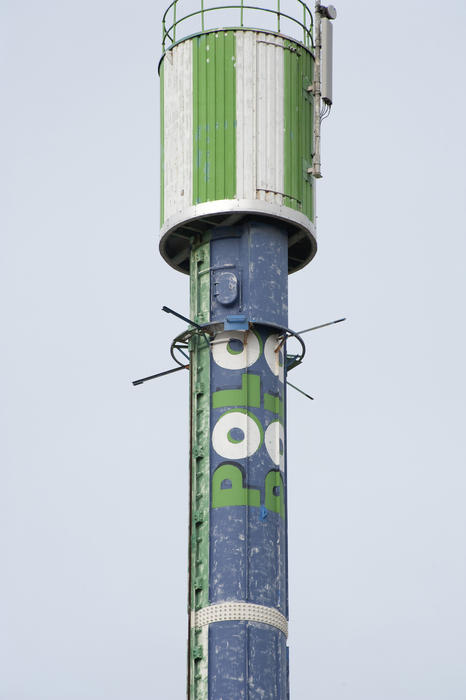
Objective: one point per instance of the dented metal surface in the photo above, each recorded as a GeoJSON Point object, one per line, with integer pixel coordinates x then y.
{"type": "Point", "coordinates": [177, 84]}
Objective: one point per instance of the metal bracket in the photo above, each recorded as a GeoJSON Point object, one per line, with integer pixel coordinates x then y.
{"type": "Point", "coordinates": [236, 322]}
{"type": "Point", "coordinates": [308, 90]}
{"type": "Point", "coordinates": [308, 171]}
{"type": "Point", "coordinates": [293, 49]}
{"type": "Point", "coordinates": [239, 610]}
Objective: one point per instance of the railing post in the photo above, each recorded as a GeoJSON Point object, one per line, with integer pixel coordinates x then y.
{"type": "Point", "coordinates": [174, 21]}
{"type": "Point", "coordinates": [304, 26]}
{"type": "Point", "coordinates": [307, 26]}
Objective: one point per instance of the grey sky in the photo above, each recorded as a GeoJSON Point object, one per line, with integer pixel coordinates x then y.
{"type": "Point", "coordinates": [93, 480]}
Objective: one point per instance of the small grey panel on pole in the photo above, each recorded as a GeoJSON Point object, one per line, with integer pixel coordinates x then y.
{"type": "Point", "coordinates": [327, 60]}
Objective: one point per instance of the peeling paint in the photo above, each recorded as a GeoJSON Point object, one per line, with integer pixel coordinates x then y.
{"type": "Point", "coordinates": [248, 538]}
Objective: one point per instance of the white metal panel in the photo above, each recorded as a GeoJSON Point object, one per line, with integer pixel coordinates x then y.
{"type": "Point", "coordinates": [245, 115]}
{"type": "Point", "coordinates": [230, 211]}
{"type": "Point", "coordinates": [270, 118]}
{"type": "Point", "coordinates": [259, 116]}
{"type": "Point", "coordinates": [178, 129]}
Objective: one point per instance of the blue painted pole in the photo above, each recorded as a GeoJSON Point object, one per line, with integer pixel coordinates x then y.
{"type": "Point", "coordinates": [248, 529]}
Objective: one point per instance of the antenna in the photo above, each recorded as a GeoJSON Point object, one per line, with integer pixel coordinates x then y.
{"type": "Point", "coordinates": [323, 70]}
{"type": "Point", "coordinates": [322, 325]}
{"type": "Point", "coordinates": [183, 318]}
{"type": "Point", "coordinates": [160, 374]}
{"type": "Point", "coordinates": [300, 390]}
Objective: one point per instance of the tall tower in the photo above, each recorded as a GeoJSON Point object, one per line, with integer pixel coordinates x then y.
{"type": "Point", "coordinates": [241, 108]}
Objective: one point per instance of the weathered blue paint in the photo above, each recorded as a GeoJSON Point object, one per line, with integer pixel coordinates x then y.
{"type": "Point", "coordinates": [248, 542]}
{"type": "Point", "coordinates": [256, 254]}
{"type": "Point", "coordinates": [255, 662]}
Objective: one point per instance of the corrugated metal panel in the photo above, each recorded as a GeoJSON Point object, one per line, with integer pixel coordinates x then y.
{"type": "Point", "coordinates": [214, 126]}
{"type": "Point", "coordinates": [298, 129]}
{"type": "Point", "coordinates": [237, 137]}
{"type": "Point", "coordinates": [178, 128]}
{"type": "Point", "coordinates": [260, 116]}
{"type": "Point", "coordinates": [270, 118]}
{"type": "Point", "coordinates": [246, 115]}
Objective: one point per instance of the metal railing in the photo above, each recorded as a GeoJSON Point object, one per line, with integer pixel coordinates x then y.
{"type": "Point", "coordinates": [172, 20]}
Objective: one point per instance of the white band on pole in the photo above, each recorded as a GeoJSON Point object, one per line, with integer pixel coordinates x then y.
{"type": "Point", "coordinates": [239, 611]}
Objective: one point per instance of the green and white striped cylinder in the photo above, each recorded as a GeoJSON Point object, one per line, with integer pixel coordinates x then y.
{"type": "Point", "coordinates": [236, 138]}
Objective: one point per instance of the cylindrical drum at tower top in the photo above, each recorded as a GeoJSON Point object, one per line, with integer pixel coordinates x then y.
{"type": "Point", "coordinates": [237, 210]}
{"type": "Point", "coordinates": [237, 134]}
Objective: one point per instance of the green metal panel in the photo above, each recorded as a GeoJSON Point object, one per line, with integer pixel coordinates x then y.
{"type": "Point", "coordinates": [162, 145]}
{"type": "Point", "coordinates": [198, 682]}
{"type": "Point", "coordinates": [298, 185]}
{"type": "Point", "coordinates": [214, 117]}
{"type": "Point", "coordinates": [200, 474]}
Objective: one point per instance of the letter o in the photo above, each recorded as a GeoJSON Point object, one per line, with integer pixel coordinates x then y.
{"type": "Point", "coordinates": [275, 360]}
{"type": "Point", "coordinates": [227, 357]}
{"type": "Point", "coordinates": [237, 448]}
{"type": "Point", "coordinates": [275, 443]}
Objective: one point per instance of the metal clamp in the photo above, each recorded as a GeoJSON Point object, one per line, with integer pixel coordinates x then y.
{"type": "Point", "coordinates": [250, 612]}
